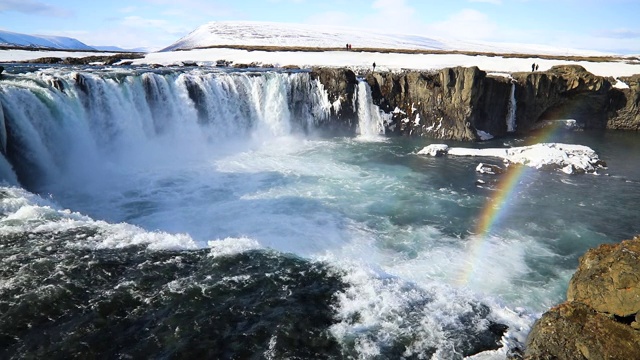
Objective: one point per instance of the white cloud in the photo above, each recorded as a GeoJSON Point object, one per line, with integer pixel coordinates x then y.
{"type": "Point", "coordinates": [394, 8]}
{"type": "Point", "coordinates": [466, 24]}
{"type": "Point", "coordinates": [33, 8]}
{"type": "Point", "coordinates": [329, 18]}
{"type": "Point", "coordinates": [394, 16]}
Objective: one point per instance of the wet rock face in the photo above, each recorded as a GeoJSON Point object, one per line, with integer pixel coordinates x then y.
{"type": "Point", "coordinates": [608, 279]}
{"type": "Point", "coordinates": [340, 85]}
{"type": "Point", "coordinates": [457, 103]}
{"type": "Point", "coordinates": [575, 331]}
{"type": "Point", "coordinates": [601, 319]}
{"type": "Point", "coordinates": [627, 103]}
{"type": "Point", "coordinates": [563, 92]}
{"type": "Point", "coordinates": [452, 103]}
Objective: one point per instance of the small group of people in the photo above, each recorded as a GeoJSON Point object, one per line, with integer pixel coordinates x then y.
{"type": "Point", "coordinates": [534, 67]}
{"type": "Point", "coordinates": [348, 47]}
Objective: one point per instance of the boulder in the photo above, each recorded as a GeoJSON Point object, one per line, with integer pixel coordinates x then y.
{"type": "Point", "coordinates": [608, 279]}
{"type": "Point", "coordinates": [601, 319]}
{"type": "Point", "coordinates": [1, 69]}
{"type": "Point", "coordinates": [574, 331]}
{"type": "Point", "coordinates": [46, 60]}
{"type": "Point", "coordinates": [490, 169]}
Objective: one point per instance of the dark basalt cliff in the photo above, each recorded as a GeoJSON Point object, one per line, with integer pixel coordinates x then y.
{"type": "Point", "coordinates": [601, 318]}
{"type": "Point", "coordinates": [340, 85]}
{"type": "Point", "coordinates": [457, 103]}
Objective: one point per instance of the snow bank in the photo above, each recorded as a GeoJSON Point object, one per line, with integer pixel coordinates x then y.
{"type": "Point", "coordinates": [570, 159]}
{"type": "Point", "coordinates": [258, 33]}
{"type": "Point", "coordinates": [384, 61]}
{"type": "Point", "coordinates": [54, 42]}
{"type": "Point", "coordinates": [23, 55]}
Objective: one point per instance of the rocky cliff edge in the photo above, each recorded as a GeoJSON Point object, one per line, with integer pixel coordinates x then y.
{"type": "Point", "coordinates": [465, 103]}
{"type": "Point", "coordinates": [601, 318]}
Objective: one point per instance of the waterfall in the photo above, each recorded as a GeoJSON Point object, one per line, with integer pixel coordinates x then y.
{"type": "Point", "coordinates": [511, 111]}
{"type": "Point", "coordinates": [69, 123]}
{"type": "Point", "coordinates": [370, 119]}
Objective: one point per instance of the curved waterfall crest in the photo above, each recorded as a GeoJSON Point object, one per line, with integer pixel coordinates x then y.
{"type": "Point", "coordinates": [54, 119]}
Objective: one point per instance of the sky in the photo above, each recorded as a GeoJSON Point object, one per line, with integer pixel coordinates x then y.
{"type": "Point", "coordinates": [603, 25]}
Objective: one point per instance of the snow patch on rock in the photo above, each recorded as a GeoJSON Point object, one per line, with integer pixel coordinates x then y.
{"type": "Point", "coordinates": [568, 158]}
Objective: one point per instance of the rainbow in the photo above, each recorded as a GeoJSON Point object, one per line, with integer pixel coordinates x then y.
{"type": "Point", "coordinates": [495, 209]}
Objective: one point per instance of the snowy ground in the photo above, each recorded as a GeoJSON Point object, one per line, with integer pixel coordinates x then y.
{"type": "Point", "coordinates": [352, 59]}
{"type": "Point", "coordinates": [22, 55]}
{"type": "Point", "coordinates": [296, 35]}
{"type": "Point", "coordinates": [384, 61]}
{"type": "Point", "coordinates": [256, 33]}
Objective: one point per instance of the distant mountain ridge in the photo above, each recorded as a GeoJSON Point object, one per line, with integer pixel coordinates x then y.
{"type": "Point", "coordinates": [252, 33]}
{"type": "Point", "coordinates": [12, 39]}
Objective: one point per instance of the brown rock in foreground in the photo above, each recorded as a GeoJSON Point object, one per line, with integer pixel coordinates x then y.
{"type": "Point", "coordinates": [600, 320]}
{"type": "Point", "coordinates": [575, 331]}
{"type": "Point", "coordinates": [608, 279]}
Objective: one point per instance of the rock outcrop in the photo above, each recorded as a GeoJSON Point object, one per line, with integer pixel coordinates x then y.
{"type": "Point", "coordinates": [627, 102]}
{"type": "Point", "coordinates": [563, 92]}
{"type": "Point", "coordinates": [574, 331]}
{"type": "Point", "coordinates": [608, 280]}
{"type": "Point", "coordinates": [452, 103]}
{"type": "Point", "coordinates": [340, 85]}
{"type": "Point", "coordinates": [467, 104]}
{"type": "Point", "coordinates": [601, 319]}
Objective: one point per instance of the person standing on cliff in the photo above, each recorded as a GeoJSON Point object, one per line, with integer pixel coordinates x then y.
{"type": "Point", "coordinates": [374, 66]}
{"type": "Point", "coordinates": [533, 67]}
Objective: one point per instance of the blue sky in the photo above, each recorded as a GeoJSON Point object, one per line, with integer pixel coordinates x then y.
{"type": "Point", "coordinates": [606, 25]}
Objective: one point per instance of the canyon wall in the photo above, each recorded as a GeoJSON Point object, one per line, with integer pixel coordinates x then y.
{"type": "Point", "coordinates": [468, 104]}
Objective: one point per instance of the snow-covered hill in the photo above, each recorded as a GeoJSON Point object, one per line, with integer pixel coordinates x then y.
{"type": "Point", "coordinates": [12, 39]}
{"type": "Point", "coordinates": [300, 35]}
{"type": "Point", "coordinates": [119, 49]}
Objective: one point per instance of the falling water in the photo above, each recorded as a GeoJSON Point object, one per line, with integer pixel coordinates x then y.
{"type": "Point", "coordinates": [92, 118]}
{"type": "Point", "coordinates": [370, 118]}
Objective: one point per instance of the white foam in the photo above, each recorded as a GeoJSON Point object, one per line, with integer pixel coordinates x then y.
{"type": "Point", "coordinates": [230, 246]}
{"type": "Point", "coordinates": [26, 212]}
